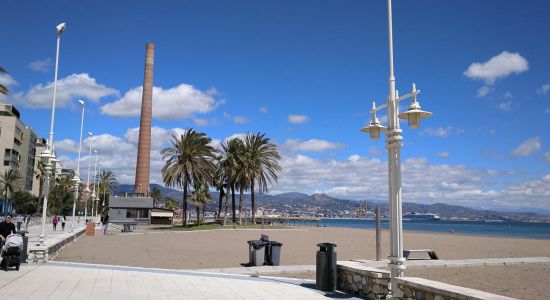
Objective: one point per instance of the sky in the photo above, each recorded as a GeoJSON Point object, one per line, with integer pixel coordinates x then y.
{"type": "Point", "coordinates": [305, 73]}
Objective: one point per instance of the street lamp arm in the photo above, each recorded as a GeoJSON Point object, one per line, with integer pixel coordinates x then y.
{"type": "Point", "coordinates": [406, 96]}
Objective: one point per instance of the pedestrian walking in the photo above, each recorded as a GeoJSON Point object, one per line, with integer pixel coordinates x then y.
{"type": "Point", "coordinates": [19, 221]}
{"type": "Point", "coordinates": [55, 221]}
{"type": "Point", "coordinates": [27, 221]}
{"type": "Point", "coordinates": [105, 222]}
{"type": "Point", "coordinates": [63, 223]}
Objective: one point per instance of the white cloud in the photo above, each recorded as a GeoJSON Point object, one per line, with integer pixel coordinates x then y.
{"type": "Point", "coordinates": [313, 145]}
{"type": "Point", "coordinates": [543, 90]}
{"type": "Point", "coordinates": [263, 109]}
{"type": "Point", "coordinates": [354, 177]}
{"type": "Point", "coordinates": [505, 106]}
{"type": "Point", "coordinates": [179, 102]}
{"type": "Point", "coordinates": [547, 156]}
{"type": "Point", "coordinates": [72, 87]}
{"type": "Point", "coordinates": [443, 154]}
{"type": "Point", "coordinates": [66, 146]}
{"type": "Point", "coordinates": [508, 95]}
{"type": "Point", "coordinates": [527, 147]}
{"type": "Point", "coordinates": [484, 91]}
{"type": "Point", "coordinates": [7, 80]}
{"type": "Point", "coordinates": [441, 131]}
{"type": "Point", "coordinates": [239, 119]}
{"type": "Point", "coordinates": [547, 111]}
{"type": "Point", "coordinates": [43, 65]}
{"type": "Point", "coordinates": [298, 119]}
{"type": "Point", "coordinates": [499, 66]}
{"type": "Point", "coordinates": [492, 131]}
{"type": "Point", "coordinates": [200, 122]}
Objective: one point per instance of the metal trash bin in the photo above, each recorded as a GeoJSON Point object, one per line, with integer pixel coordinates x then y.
{"type": "Point", "coordinates": [24, 255]}
{"type": "Point", "coordinates": [257, 251]}
{"type": "Point", "coordinates": [275, 253]}
{"type": "Point", "coordinates": [326, 267]}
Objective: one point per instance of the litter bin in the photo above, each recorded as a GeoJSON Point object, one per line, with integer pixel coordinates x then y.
{"type": "Point", "coordinates": [257, 251]}
{"type": "Point", "coordinates": [90, 229]}
{"type": "Point", "coordinates": [275, 253]}
{"type": "Point", "coordinates": [25, 245]}
{"type": "Point", "coordinates": [326, 267]}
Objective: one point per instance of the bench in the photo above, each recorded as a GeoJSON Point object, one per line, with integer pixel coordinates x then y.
{"type": "Point", "coordinates": [129, 227]}
{"type": "Point", "coordinates": [431, 253]}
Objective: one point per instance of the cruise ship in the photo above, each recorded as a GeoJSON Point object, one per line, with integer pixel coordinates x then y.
{"type": "Point", "coordinates": [421, 216]}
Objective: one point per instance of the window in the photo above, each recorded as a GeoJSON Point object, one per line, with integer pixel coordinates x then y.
{"type": "Point", "coordinates": [137, 212]}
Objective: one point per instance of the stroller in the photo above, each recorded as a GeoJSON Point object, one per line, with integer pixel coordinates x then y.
{"type": "Point", "coordinates": [11, 252]}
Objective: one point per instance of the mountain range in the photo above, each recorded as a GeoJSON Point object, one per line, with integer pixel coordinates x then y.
{"type": "Point", "coordinates": [323, 203]}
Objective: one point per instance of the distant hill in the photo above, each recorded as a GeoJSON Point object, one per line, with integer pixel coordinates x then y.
{"type": "Point", "coordinates": [323, 204]}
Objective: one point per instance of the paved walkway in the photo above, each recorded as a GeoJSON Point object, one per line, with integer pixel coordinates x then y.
{"type": "Point", "coordinates": [263, 270]}
{"type": "Point", "coordinates": [52, 237]}
{"type": "Point", "coordinates": [59, 280]}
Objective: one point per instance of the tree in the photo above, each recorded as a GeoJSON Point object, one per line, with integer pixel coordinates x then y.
{"type": "Point", "coordinates": [228, 165]}
{"type": "Point", "coordinates": [107, 185]}
{"type": "Point", "coordinates": [200, 197]}
{"type": "Point", "coordinates": [261, 164]}
{"type": "Point", "coordinates": [3, 89]}
{"type": "Point", "coordinates": [171, 203]}
{"type": "Point", "coordinates": [61, 197]}
{"type": "Point", "coordinates": [24, 202]}
{"type": "Point", "coordinates": [156, 195]}
{"type": "Point", "coordinates": [188, 160]}
{"type": "Point", "coordinates": [8, 183]}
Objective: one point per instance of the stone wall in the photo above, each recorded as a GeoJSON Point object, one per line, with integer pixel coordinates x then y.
{"type": "Point", "coordinates": [425, 289]}
{"type": "Point", "coordinates": [365, 282]}
{"type": "Point", "coordinates": [40, 254]}
{"type": "Point", "coordinates": [371, 283]}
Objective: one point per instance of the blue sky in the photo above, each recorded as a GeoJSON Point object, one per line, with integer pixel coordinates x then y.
{"type": "Point", "coordinates": [305, 73]}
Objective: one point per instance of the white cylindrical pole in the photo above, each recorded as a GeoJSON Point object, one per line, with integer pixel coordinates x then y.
{"type": "Point", "coordinates": [50, 139]}
{"type": "Point", "coordinates": [46, 191]}
{"type": "Point", "coordinates": [91, 135]}
{"type": "Point", "coordinates": [77, 175]}
{"type": "Point", "coordinates": [95, 178]}
{"type": "Point", "coordinates": [394, 143]}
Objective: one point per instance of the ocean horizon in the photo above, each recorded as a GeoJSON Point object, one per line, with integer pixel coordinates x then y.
{"type": "Point", "coordinates": [513, 229]}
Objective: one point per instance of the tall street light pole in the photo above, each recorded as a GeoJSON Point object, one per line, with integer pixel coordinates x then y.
{"type": "Point", "coordinates": [87, 190]}
{"type": "Point", "coordinates": [97, 195]}
{"type": "Point", "coordinates": [76, 178]}
{"type": "Point", "coordinates": [47, 154]}
{"type": "Point", "coordinates": [394, 143]}
{"type": "Point", "coordinates": [93, 189]}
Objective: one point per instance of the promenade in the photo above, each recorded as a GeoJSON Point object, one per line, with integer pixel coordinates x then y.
{"type": "Point", "coordinates": [60, 280]}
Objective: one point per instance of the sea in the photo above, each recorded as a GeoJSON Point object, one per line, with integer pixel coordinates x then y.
{"type": "Point", "coordinates": [513, 229]}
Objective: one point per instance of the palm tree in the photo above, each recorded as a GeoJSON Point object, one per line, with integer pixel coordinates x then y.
{"type": "Point", "coordinates": [61, 196]}
{"type": "Point", "coordinates": [228, 164]}
{"type": "Point", "coordinates": [8, 181]}
{"type": "Point", "coordinates": [200, 197]}
{"type": "Point", "coordinates": [3, 89]}
{"type": "Point", "coordinates": [262, 164]}
{"type": "Point", "coordinates": [156, 195]}
{"type": "Point", "coordinates": [188, 161]}
{"type": "Point", "coordinates": [171, 203]}
{"type": "Point", "coordinates": [107, 185]}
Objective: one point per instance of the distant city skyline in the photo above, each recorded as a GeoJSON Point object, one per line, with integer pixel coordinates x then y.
{"type": "Point", "coordinates": [305, 73]}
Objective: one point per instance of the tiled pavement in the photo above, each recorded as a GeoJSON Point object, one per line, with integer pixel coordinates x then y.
{"type": "Point", "coordinates": [59, 280]}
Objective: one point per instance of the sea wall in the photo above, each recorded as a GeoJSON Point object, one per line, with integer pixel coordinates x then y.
{"type": "Point", "coordinates": [371, 283]}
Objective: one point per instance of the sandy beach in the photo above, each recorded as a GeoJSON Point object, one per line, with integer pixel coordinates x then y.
{"type": "Point", "coordinates": [228, 248]}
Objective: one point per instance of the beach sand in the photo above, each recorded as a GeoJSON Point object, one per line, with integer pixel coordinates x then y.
{"type": "Point", "coordinates": [228, 248]}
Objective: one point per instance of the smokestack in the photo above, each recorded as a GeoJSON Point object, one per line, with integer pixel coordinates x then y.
{"type": "Point", "coordinates": [144, 143]}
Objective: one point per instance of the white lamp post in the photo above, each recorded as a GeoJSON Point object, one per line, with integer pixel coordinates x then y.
{"type": "Point", "coordinates": [394, 144]}
{"type": "Point", "coordinates": [87, 190]}
{"type": "Point", "coordinates": [97, 194]}
{"type": "Point", "coordinates": [47, 154]}
{"type": "Point", "coordinates": [93, 188]}
{"type": "Point", "coordinates": [76, 178]}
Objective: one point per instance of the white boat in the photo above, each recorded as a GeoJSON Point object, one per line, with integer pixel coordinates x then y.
{"type": "Point", "coordinates": [421, 216]}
